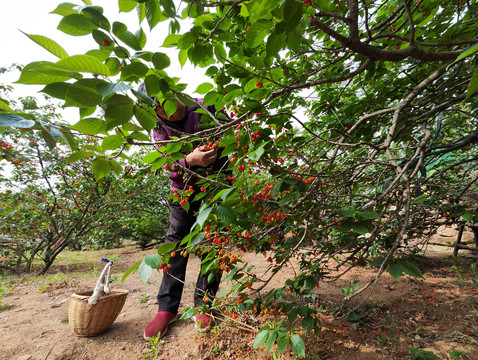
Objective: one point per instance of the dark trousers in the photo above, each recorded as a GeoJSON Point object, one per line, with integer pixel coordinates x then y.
{"type": "Point", "coordinates": [171, 290]}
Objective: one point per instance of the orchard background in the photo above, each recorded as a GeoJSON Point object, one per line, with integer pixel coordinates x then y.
{"type": "Point", "coordinates": [353, 135]}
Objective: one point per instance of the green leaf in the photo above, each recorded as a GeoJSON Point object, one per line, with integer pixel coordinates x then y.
{"type": "Point", "coordinates": [307, 323]}
{"type": "Point", "coordinates": [469, 216]}
{"type": "Point", "coordinates": [57, 90]}
{"type": "Point", "coordinates": [169, 8]}
{"type": "Point", "coordinates": [197, 54]}
{"type": "Point", "coordinates": [101, 167]}
{"type": "Point", "coordinates": [303, 310]}
{"type": "Point", "coordinates": [360, 227]}
{"type": "Point", "coordinates": [43, 73]}
{"type": "Point", "coordinates": [226, 213]}
{"type": "Point", "coordinates": [78, 156]}
{"type": "Point", "coordinates": [354, 317]}
{"type": "Point", "coordinates": [119, 111]}
{"type": "Point", "coordinates": [260, 9]}
{"type": "Point", "coordinates": [106, 89]}
{"type": "Point", "coordinates": [473, 87]}
{"type": "Point", "coordinates": [422, 354]}
{"type": "Point", "coordinates": [76, 25]}
{"type": "Point", "coordinates": [256, 153]}
{"type": "Point", "coordinates": [467, 52]}
{"type": "Point", "coordinates": [65, 9]}
{"type": "Point", "coordinates": [145, 116]}
{"type": "Point", "coordinates": [297, 345]}
{"type": "Point", "coordinates": [134, 72]}
{"type": "Point", "coordinates": [153, 261]}
{"type": "Point", "coordinates": [369, 215]}
{"type": "Point", "coordinates": [129, 271]}
{"type": "Point", "coordinates": [457, 355]}
{"type": "Point", "coordinates": [288, 198]}
{"type": "Point", "coordinates": [211, 98]}
{"type": "Point", "coordinates": [49, 45]}
{"type": "Point", "coordinates": [171, 40]}
{"type": "Point", "coordinates": [166, 248]}
{"type": "Point", "coordinates": [275, 42]}
{"type": "Point", "coordinates": [182, 57]}
{"type": "Point", "coordinates": [161, 60]}
{"type": "Point", "coordinates": [220, 193]}
{"type": "Point", "coordinates": [130, 127]}
{"type": "Point", "coordinates": [126, 5]}
{"type": "Point", "coordinates": [411, 269]}
{"type": "Point", "coordinates": [158, 164]}
{"type": "Point", "coordinates": [14, 120]}
{"type": "Point", "coordinates": [429, 17]}
{"type": "Point", "coordinates": [113, 65]}
{"type": "Point", "coordinates": [130, 39]}
{"type": "Point", "coordinates": [69, 139]}
{"type": "Point", "coordinates": [261, 337]}
{"type": "Point", "coordinates": [84, 63]}
{"type": "Point", "coordinates": [348, 211]}
{"type": "Point", "coordinates": [112, 142]}
{"type": "Point", "coordinates": [404, 267]}
{"type": "Point", "coordinates": [292, 14]}
{"type": "Point", "coordinates": [196, 239]}
{"type": "Point", "coordinates": [116, 167]}
{"type": "Point", "coordinates": [172, 148]}
{"type": "Point", "coordinates": [153, 13]}
{"type": "Point", "coordinates": [4, 106]}
{"type": "Point", "coordinates": [282, 343]}
{"type": "Point", "coordinates": [257, 32]}
{"type": "Point", "coordinates": [202, 217]}
{"type": "Point", "coordinates": [90, 126]}
{"type": "Point", "coordinates": [95, 15]}
{"type": "Point", "coordinates": [163, 86]}
{"type": "Point", "coordinates": [189, 313]}
{"type": "Point", "coordinates": [83, 94]}
{"type": "Point", "coordinates": [395, 270]}
{"type": "Point", "coordinates": [50, 141]}
{"type": "Point", "coordinates": [271, 340]}
{"type": "Point", "coordinates": [293, 41]}
{"type": "Point", "coordinates": [145, 271]}
{"type": "Point", "coordinates": [170, 106]}
{"type": "Point", "coordinates": [151, 157]}
{"type": "Point", "coordinates": [138, 136]}
{"type": "Point", "coordinates": [204, 88]}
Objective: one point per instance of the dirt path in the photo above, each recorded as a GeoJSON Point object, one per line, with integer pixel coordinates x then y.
{"type": "Point", "coordinates": [438, 313]}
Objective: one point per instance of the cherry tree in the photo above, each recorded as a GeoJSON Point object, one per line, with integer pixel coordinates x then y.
{"type": "Point", "coordinates": [353, 129]}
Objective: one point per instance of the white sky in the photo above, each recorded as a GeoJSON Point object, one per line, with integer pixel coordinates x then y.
{"type": "Point", "coordinates": [33, 17]}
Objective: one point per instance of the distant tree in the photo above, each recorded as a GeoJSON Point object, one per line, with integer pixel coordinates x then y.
{"type": "Point", "coordinates": [49, 203]}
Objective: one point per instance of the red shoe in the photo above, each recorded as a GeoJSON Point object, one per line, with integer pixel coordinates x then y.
{"type": "Point", "coordinates": [159, 325]}
{"type": "Point", "coordinates": [203, 322]}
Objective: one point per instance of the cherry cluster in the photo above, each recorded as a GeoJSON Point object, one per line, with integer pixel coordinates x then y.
{"type": "Point", "coordinates": [5, 145]}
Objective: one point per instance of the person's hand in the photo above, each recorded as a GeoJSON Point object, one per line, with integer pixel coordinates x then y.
{"type": "Point", "coordinates": [201, 157]}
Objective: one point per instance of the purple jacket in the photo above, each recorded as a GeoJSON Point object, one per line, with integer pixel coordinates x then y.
{"type": "Point", "coordinates": [179, 179]}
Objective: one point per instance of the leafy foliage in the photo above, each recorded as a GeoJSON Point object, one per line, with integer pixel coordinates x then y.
{"type": "Point", "coordinates": [384, 150]}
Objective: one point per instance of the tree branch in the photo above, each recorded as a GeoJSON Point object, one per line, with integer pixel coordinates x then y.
{"type": "Point", "coordinates": [375, 53]}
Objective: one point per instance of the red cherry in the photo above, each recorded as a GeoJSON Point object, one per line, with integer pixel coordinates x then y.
{"type": "Point", "coordinates": [106, 42]}
{"type": "Point", "coordinates": [260, 84]}
{"type": "Point", "coordinates": [307, 2]}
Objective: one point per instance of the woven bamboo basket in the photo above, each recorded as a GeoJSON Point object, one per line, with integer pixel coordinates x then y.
{"type": "Point", "coordinates": [92, 320]}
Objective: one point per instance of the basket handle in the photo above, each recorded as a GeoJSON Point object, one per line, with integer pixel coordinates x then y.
{"type": "Point", "coordinates": [100, 288]}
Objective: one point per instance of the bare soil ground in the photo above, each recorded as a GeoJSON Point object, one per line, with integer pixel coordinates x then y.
{"type": "Point", "coordinates": [438, 313]}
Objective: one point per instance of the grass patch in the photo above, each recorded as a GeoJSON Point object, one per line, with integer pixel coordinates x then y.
{"type": "Point", "coordinates": [6, 288]}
